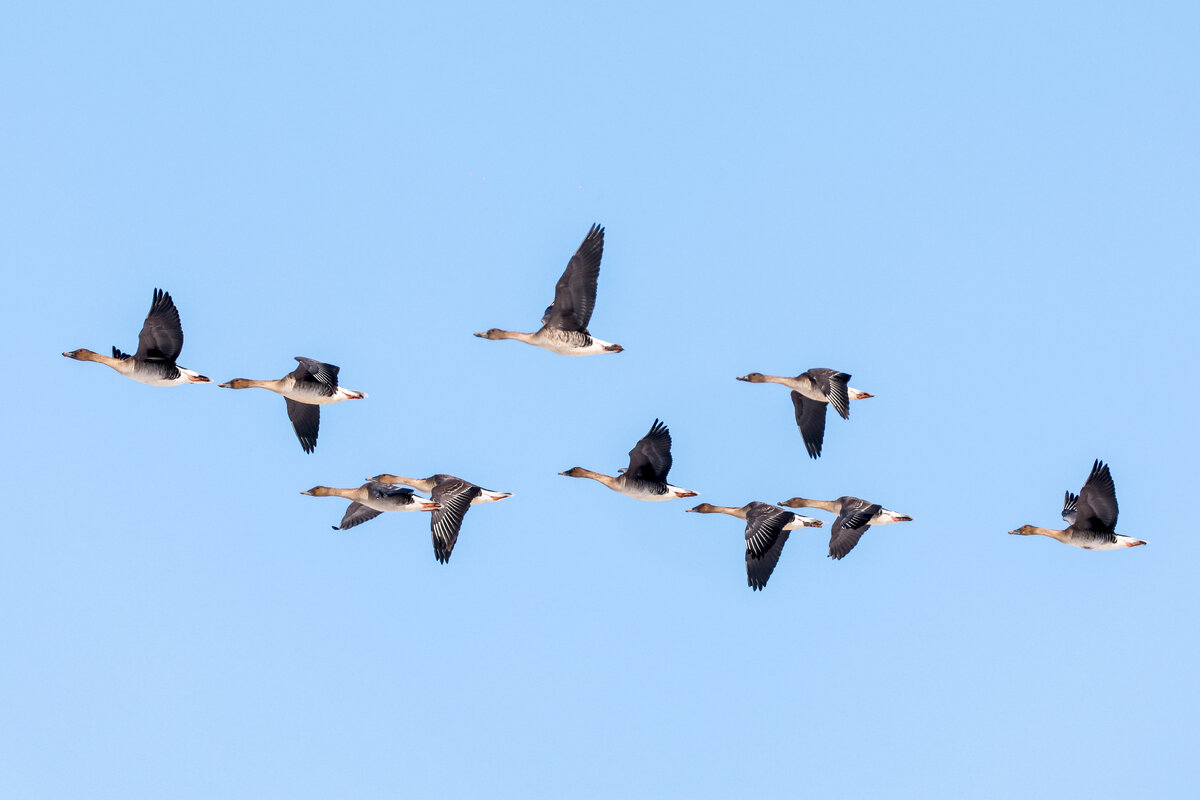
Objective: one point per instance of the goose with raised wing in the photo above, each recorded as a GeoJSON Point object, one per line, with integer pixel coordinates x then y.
{"type": "Point", "coordinates": [372, 499]}
{"type": "Point", "coordinates": [565, 324]}
{"type": "Point", "coordinates": [812, 391]}
{"type": "Point", "coordinates": [854, 517]}
{"type": "Point", "coordinates": [305, 389]}
{"type": "Point", "coordinates": [159, 344]}
{"type": "Point", "coordinates": [767, 530]}
{"type": "Point", "coordinates": [454, 496]}
{"type": "Point", "coordinates": [1091, 516]}
{"type": "Point", "coordinates": [646, 476]}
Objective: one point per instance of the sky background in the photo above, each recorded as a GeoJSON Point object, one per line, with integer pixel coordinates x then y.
{"type": "Point", "coordinates": [986, 213]}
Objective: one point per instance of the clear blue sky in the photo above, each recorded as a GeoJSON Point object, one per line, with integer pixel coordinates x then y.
{"type": "Point", "coordinates": [985, 212]}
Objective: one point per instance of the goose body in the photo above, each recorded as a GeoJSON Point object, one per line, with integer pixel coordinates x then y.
{"type": "Point", "coordinates": [646, 476]}
{"type": "Point", "coordinates": [312, 384]}
{"type": "Point", "coordinates": [453, 496]}
{"type": "Point", "coordinates": [159, 345]}
{"type": "Point", "coordinates": [1091, 516]}
{"type": "Point", "coordinates": [767, 529]}
{"type": "Point", "coordinates": [372, 499]}
{"type": "Point", "coordinates": [565, 324]}
{"type": "Point", "coordinates": [812, 391]}
{"type": "Point", "coordinates": [854, 517]}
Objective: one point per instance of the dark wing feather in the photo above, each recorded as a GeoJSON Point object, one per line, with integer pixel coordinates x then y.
{"type": "Point", "coordinates": [1069, 508]}
{"type": "Point", "coordinates": [650, 458]}
{"type": "Point", "coordinates": [161, 338]}
{"type": "Point", "coordinates": [306, 420]}
{"type": "Point", "coordinates": [455, 496]}
{"type": "Point", "coordinates": [1096, 508]}
{"type": "Point", "coordinates": [356, 514]}
{"type": "Point", "coordinates": [316, 375]}
{"type": "Point", "coordinates": [833, 385]}
{"type": "Point", "coordinates": [575, 292]}
{"type": "Point", "coordinates": [386, 491]}
{"type": "Point", "coordinates": [765, 538]}
{"type": "Point", "coordinates": [850, 525]}
{"type": "Point", "coordinates": [810, 417]}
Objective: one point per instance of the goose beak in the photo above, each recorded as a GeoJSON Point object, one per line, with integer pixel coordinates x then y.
{"type": "Point", "coordinates": [307, 492]}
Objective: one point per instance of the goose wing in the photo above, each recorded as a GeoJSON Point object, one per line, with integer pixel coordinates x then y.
{"type": "Point", "coordinates": [850, 525]}
{"type": "Point", "coordinates": [161, 338]}
{"type": "Point", "coordinates": [765, 538]}
{"type": "Point", "coordinates": [1096, 508]}
{"type": "Point", "coordinates": [650, 458]}
{"type": "Point", "coordinates": [575, 292]}
{"type": "Point", "coordinates": [833, 385]}
{"type": "Point", "coordinates": [1069, 507]}
{"type": "Point", "coordinates": [455, 496]}
{"type": "Point", "coordinates": [316, 376]}
{"type": "Point", "coordinates": [810, 417]}
{"type": "Point", "coordinates": [386, 491]}
{"type": "Point", "coordinates": [306, 421]}
{"type": "Point", "coordinates": [356, 514]}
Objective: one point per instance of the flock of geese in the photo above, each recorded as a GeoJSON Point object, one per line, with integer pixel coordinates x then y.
{"type": "Point", "coordinates": [1091, 515]}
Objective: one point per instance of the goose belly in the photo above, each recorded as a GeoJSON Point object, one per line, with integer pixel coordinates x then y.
{"type": "Point", "coordinates": [158, 376]}
{"type": "Point", "coordinates": [317, 399]}
{"type": "Point", "coordinates": [569, 343]}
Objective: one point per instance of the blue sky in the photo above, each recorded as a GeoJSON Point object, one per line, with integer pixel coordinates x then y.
{"type": "Point", "coordinates": [985, 213]}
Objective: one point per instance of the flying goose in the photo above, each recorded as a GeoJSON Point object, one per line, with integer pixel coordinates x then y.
{"type": "Point", "coordinates": [305, 389]}
{"type": "Point", "coordinates": [372, 499]}
{"type": "Point", "coordinates": [811, 392]}
{"type": "Point", "coordinates": [159, 344]}
{"type": "Point", "coordinates": [766, 532]}
{"type": "Point", "coordinates": [454, 496]}
{"type": "Point", "coordinates": [565, 324]}
{"type": "Point", "coordinates": [1091, 516]}
{"type": "Point", "coordinates": [854, 516]}
{"type": "Point", "coordinates": [646, 476]}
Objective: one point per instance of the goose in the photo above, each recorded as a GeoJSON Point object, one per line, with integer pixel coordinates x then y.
{"type": "Point", "coordinates": [159, 344]}
{"type": "Point", "coordinates": [766, 532]}
{"type": "Point", "coordinates": [565, 324]}
{"type": "Point", "coordinates": [1091, 516]}
{"type": "Point", "coordinates": [811, 392]}
{"type": "Point", "coordinates": [454, 496]}
{"type": "Point", "coordinates": [372, 499]}
{"type": "Point", "coordinates": [305, 389]}
{"type": "Point", "coordinates": [646, 476]}
{"type": "Point", "coordinates": [854, 516]}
